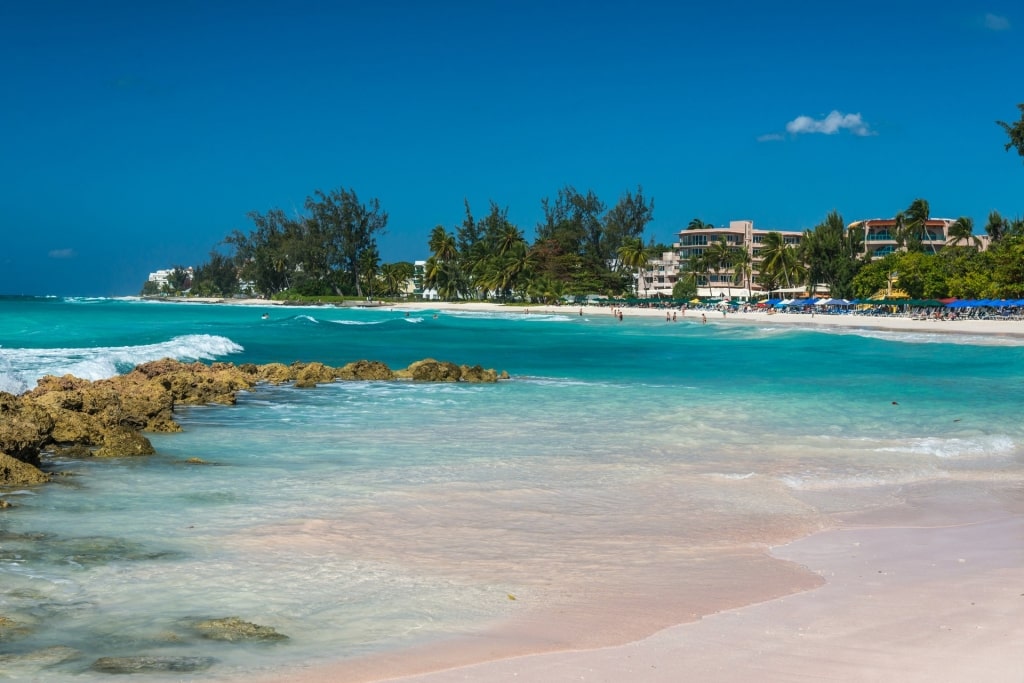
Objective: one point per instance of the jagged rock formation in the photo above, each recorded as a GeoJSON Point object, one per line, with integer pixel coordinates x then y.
{"type": "Point", "coordinates": [105, 418]}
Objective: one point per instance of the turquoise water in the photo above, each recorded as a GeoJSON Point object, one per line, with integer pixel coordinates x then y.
{"type": "Point", "coordinates": [362, 518]}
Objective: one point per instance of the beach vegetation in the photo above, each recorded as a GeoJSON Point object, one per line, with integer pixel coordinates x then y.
{"type": "Point", "coordinates": [217, 277]}
{"type": "Point", "coordinates": [779, 263]}
{"type": "Point", "coordinates": [1015, 132]}
{"type": "Point", "coordinates": [633, 254]}
{"type": "Point", "coordinates": [582, 247]}
{"type": "Point", "coordinates": [179, 279]}
{"type": "Point", "coordinates": [832, 255]}
{"type": "Point", "coordinates": [685, 287]}
{"type": "Point", "coordinates": [914, 228]}
{"type": "Point", "coordinates": [962, 230]}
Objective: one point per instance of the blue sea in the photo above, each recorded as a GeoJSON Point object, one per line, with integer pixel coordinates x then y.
{"type": "Point", "coordinates": [360, 519]}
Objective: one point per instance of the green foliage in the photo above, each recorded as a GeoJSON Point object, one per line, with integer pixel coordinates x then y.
{"type": "Point", "coordinates": [331, 249]}
{"type": "Point", "coordinates": [685, 287]}
{"type": "Point", "coordinates": [1015, 132]}
{"type": "Point", "coordinates": [873, 277]}
{"type": "Point", "coordinates": [216, 277]}
{"type": "Point", "coordinates": [831, 255]}
{"type": "Point", "coordinates": [150, 288]}
{"type": "Point", "coordinates": [179, 279]}
{"type": "Point", "coordinates": [779, 261]}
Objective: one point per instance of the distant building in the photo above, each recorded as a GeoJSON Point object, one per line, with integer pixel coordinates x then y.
{"type": "Point", "coordinates": [880, 237]}
{"type": "Point", "coordinates": [160, 277]}
{"type": "Point", "coordinates": [662, 273]}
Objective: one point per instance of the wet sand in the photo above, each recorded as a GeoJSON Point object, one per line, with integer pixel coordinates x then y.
{"type": "Point", "coordinates": [924, 592]}
{"type": "Point", "coordinates": [906, 596]}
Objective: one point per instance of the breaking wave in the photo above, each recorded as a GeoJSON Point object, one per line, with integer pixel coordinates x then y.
{"type": "Point", "coordinates": [20, 369]}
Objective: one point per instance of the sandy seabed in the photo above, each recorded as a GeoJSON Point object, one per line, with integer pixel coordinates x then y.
{"type": "Point", "coordinates": [918, 593]}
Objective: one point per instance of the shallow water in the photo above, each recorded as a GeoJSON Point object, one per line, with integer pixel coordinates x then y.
{"type": "Point", "coordinates": [364, 517]}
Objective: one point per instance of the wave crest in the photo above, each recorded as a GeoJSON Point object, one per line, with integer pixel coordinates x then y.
{"type": "Point", "coordinates": [20, 369]}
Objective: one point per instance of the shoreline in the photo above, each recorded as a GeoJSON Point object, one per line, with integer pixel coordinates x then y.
{"type": "Point", "coordinates": [910, 599]}
{"type": "Point", "coordinates": [913, 595]}
{"type": "Point", "coordinates": [886, 611]}
{"type": "Point", "coordinates": [994, 328]}
{"type": "Point", "coordinates": [898, 596]}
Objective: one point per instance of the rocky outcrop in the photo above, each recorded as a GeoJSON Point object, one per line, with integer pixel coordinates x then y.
{"type": "Point", "coordinates": [234, 629]}
{"type": "Point", "coordinates": [478, 374]}
{"type": "Point", "coordinates": [106, 418]}
{"type": "Point", "coordinates": [14, 472]}
{"type": "Point", "coordinates": [29, 664]}
{"type": "Point", "coordinates": [308, 375]}
{"type": "Point", "coordinates": [365, 370]}
{"type": "Point", "coordinates": [430, 370]}
{"type": "Point", "coordinates": [148, 664]}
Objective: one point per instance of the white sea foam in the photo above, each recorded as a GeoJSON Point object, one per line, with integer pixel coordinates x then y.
{"type": "Point", "coordinates": [502, 315]}
{"type": "Point", "coordinates": [962, 339]}
{"type": "Point", "coordinates": [816, 481]}
{"type": "Point", "coordinates": [732, 476]}
{"type": "Point", "coordinates": [356, 322]}
{"type": "Point", "coordinates": [21, 368]}
{"type": "Point", "coordinates": [949, 448]}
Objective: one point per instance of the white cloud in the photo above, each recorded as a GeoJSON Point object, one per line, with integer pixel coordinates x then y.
{"type": "Point", "coordinates": [994, 22]}
{"type": "Point", "coordinates": [770, 137]}
{"type": "Point", "coordinates": [62, 253]}
{"type": "Point", "coordinates": [831, 124]}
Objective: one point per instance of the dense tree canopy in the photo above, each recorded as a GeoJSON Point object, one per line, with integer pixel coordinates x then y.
{"type": "Point", "coordinates": [584, 247]}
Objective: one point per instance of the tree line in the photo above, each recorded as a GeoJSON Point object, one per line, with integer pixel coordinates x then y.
{"type": "Point", "coordinates": [582, 247]}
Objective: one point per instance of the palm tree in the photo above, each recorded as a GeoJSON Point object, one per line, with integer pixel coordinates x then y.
{"type": "Point", "coordinates": [633, 254]}
{"type": "Point", "coordinates": [917, 215]}
{"type": "Point", "coordinates": [509, 237]}
{"type": "Point", "coordinates": [719, 257]}
{"type": "Point", "coordinates": [962, 229]}
{"type": "Point", "coordinates": [899, 229]}
{"type": "Point", "coordinates": [698, 265]}
{"type": "Point", "coordinates": [743, 268]}
{"type": "Point", "coordinates": [698, 224]}
{"type": "Point", "coordinates": [393, 277]}
{"type": "Point", "coordinates": [778, 258]}
{"type": "Point", "coordinates": [442, 244]}
{"type": "Point", "coordinates": [1015, 132]}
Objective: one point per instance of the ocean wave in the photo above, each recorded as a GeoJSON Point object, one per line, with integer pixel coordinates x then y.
{"type": "Point", "coordinates": [357, 322]}
{"type": "Point", "coordinates": [950, 448]}
{"type": "Point", "coordinates": [818, 482]}
{"type": "Point", "coordinates": [20, 369]}
{"type": "Point", "coordinates": [512, 315]}
{"type": "Point", "coordinates": [731, 476]}
{"type": "Point", "coordinates": [932, 337]}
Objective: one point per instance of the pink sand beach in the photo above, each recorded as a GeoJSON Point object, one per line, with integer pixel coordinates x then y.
{"type": "Point", "coordinates": [925, 590]}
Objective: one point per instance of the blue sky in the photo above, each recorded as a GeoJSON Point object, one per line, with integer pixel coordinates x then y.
{"type": "Point", "coordinates": [137, 135]}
